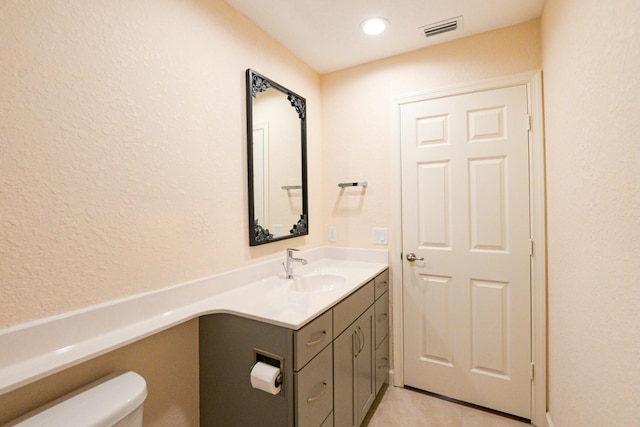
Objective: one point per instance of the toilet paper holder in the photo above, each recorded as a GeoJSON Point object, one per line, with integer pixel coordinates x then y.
{"type": "Point", "coordinates": [270, 359]}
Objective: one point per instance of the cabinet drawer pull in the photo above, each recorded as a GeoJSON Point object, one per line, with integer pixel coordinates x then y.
{"type": "Point", "coordinates": [381, 284]}
{"type": "Point", "coordinates": [324, 390]}
{"type": "Point", "coordinates": [382, 317]}
{"type": "Point", "coordinates": [319, 340]}
{"type": "Point", "coordinates": [356, 342]}
{"type": "Point", "coordinates": [384, 361]}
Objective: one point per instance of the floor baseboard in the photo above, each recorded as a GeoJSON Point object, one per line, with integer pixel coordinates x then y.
{"type": "Point", "coordinates": [550, 421]}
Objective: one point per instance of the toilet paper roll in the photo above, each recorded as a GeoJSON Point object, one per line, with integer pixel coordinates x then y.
{"type": "Point", "coordinates": [265, 377]}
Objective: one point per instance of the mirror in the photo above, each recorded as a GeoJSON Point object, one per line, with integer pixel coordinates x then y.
{"type": "Point", "coordinates": [277, 161]}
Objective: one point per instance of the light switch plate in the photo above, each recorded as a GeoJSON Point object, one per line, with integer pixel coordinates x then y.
{"type": "Point", "coordinates": [379, 235]}
{"type": "Point", "coordinates": [333, 233]}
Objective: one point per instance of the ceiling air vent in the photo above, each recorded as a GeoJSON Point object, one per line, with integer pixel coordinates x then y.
{"type": "Point", "coordinates": [442, 26]}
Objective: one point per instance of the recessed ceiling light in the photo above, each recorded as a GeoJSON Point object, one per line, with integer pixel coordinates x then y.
{"type": "Point", "coordinates": [374, 26]}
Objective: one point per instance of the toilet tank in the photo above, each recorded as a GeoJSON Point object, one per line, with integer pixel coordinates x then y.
{"type": "Point", "coordinates": [115, 400]}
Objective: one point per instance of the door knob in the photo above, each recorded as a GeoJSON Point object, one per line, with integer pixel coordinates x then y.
{"type": "Point", "coordinates": [412, 257]}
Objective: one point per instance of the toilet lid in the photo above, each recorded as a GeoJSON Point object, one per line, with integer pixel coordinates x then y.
{"type": "Point", "coordinates": [102, 403]}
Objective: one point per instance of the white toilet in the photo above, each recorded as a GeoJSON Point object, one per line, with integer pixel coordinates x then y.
{"type": "Point", "coordinates": [113, 401]}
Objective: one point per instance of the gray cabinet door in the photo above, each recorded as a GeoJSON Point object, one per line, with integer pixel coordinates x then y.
{"type": "Point", "coordinates": [354, 371]}
{"type": "Point", "coordinates": [364, 363]}
{"type": "Point", "coordinates": [343, 351]}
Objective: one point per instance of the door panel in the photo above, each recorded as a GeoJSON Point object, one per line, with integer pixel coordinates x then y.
{"type": "Point", "coordinates": [465, 210]}
{"type": "Point", "coordinates": [487, 192]}
{"type": "Point", "coordinates": [489, 323]}
{"type": "Point", "coordinates": [434, 205]}
{"type": "Point", "coordinates": [435, 326]}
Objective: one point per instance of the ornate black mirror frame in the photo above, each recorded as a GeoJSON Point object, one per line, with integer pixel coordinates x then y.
{"type": "Point", "coordinates": [258, 234]}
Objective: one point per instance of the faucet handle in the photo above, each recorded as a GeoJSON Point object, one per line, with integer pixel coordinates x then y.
{"type": "Point", "coordinates": [290, 251]}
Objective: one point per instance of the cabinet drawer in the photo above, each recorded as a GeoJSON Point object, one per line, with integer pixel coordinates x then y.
{"type": "Point", "coordinates": [351, 308]}
{"type": "Point", "coordinates": [314, 390]}
{"type": "Point", "coordinates": [312, 338]}
{"type": "Point", "coordinates": [382, 283]}
{"type": "Point", "coordinates": [382, 364]}
{"type": "Point", "coordinates": [382, 318]}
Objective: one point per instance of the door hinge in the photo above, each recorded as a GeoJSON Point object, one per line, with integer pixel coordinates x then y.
{"type": "Point", "coordinates": [528, 121]}
{"type": "Point", "coordinates": [532, 371]}
{"type": "Point", "coordinates": [530, 247]}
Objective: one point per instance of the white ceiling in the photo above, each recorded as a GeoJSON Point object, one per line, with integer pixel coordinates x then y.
{"type": "Point", "coordinates": [326, 34]}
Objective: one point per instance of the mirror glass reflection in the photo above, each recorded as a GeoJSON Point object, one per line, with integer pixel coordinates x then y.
{"type": "Point", "coordinates": [276, 134]}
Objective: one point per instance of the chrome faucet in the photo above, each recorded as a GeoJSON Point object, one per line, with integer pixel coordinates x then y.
{"type": "Point", "coordinates": [290, 260]}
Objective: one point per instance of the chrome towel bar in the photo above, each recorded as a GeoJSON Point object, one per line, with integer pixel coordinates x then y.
{"type": "Point", "coordinates": [353, 184]}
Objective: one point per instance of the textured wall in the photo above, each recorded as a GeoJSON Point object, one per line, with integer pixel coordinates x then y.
{"type": "Point", "coordinates": [357, 123]}
{"type": "Point", "coordinates": [122, 169]}
{"type": "Point", "coordinates": [122, 147]}
{"type": "Point", "coordinates": [591, 68]}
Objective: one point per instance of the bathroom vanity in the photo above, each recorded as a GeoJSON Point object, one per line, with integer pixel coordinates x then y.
{"type": "Point", "coordinates": [332, 367]}
{"type": "Point", "coordinates": [248, 314]}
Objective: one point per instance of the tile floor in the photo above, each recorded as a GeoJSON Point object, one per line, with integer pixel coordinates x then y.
{"type": "Point", "coordinates": [400, 407]}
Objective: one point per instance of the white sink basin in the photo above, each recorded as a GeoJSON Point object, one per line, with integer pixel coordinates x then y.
{"type": "Point", "coordinates": [317, 282]}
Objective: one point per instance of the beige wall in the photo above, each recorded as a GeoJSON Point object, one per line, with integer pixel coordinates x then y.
{"type": "Point", "coordinates": [122, 169]}
{"type": "Point", "coordinates": [591, 68]}
{"type": "Point", "coordinates": [357, 123]}
{"type": "Point", "coordinates": [122, 147]}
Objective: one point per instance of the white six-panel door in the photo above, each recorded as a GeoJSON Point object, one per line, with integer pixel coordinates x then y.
{"type": "Point", "coordinates": [465, 210]}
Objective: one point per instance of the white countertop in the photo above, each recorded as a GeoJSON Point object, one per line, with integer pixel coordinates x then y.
{"type": "Point", "coordinates": [34, 350]}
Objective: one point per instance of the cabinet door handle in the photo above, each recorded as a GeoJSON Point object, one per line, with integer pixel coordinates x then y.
{"type": "Point", "coordinates": [319, 340]}
{"type": "Point", "coordinates": [360, 347]}
{"type": "Point", "coordinates": [322, 392]}
{"type": "Point", "coordinates": [382, 317]}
